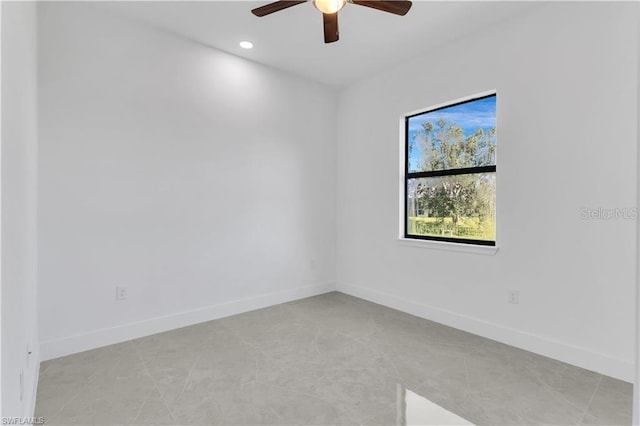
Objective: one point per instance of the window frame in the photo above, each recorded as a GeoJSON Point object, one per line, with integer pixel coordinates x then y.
{"type": "Point", "coordinates": [438, 173]}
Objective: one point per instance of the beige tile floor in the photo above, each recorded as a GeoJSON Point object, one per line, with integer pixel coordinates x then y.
{"type": "Point", "coordinates": [330, 359]}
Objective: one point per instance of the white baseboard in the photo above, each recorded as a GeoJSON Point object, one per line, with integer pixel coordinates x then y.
{"type": "Point", "coordinates": [109, 336]}
{"type": "Point", "coordinates": [575, 355]}
{"type": "Point", "coordinates": [34, 386]}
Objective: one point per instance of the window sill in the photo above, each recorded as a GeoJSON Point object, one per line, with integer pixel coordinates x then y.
{"type": "Point", "coordinates": [441, 245]}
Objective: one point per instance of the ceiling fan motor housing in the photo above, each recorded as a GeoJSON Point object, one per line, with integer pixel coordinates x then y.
{"type": "Point", "coordinates": [330, 8]}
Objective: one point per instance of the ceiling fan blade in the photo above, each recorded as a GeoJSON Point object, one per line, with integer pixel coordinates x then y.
{"type": "Point", "coordinates": [396, 7]}
{"type": "Point", "coordinates": [331, 32]}
{"type": "Point", "coordinates": [275, 7]}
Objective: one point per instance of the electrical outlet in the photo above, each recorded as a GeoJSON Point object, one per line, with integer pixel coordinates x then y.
{"type": "Point", "coordinates": [513, 297]}
{"type": "Point", "coordinates": [121, 293]}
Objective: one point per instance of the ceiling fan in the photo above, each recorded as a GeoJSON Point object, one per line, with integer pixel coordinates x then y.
{"type": "Point", "coordinates": [330, 8]}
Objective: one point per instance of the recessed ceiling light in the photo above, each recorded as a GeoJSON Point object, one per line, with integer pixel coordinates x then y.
{"type": "Point", "coordinates": [246, 44]}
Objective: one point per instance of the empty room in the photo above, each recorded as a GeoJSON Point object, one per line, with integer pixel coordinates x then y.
{"type": "Point", "coordinates": [329, 212]}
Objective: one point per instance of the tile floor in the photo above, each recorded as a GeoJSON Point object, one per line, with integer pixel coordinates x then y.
{"type": "Point", "coordinates": [330, 359]}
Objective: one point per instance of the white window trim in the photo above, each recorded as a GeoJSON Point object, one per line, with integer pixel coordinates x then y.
{"type": "Point", "coordinates": [447, 246]}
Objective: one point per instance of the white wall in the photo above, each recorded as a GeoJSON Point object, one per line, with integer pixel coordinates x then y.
{"type": "Point", "coordinates": [191, 177]}
{"type": "Point", "coordinates": [566, 76]}
{"type": "Point", "coordinates": [636, 387]}
{"type": "Point", "coordinates": [19, 198]}
{"type": "Point", "coordinates": [203, 182]}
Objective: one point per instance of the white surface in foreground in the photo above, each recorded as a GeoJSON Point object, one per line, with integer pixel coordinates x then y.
{"type": "Point", "coordinates": [421, 411]}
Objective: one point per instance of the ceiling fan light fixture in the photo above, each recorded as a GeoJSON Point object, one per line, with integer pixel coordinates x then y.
{"type": "Point", "coordinates": [329, 6]}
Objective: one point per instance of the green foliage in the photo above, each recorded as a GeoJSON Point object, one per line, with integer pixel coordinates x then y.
{"type": "Point", "coordinates": [445, 147]}
{"type": "Point", "coordinates": [470, 228]}
{"type": "Point", "coordinates": [465, 201]}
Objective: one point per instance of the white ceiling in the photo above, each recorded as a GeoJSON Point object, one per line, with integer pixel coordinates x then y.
{"type": "Point", "coordinates": [292, 39]}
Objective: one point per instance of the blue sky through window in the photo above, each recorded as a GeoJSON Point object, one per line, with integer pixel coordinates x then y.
{"type": "Point", "coordinates": [469, 116]}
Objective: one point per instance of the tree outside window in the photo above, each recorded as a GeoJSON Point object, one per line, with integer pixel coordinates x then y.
{"type": "Point", "coordinates": [450, 173]}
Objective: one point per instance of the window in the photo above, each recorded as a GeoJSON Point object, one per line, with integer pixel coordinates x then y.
{"type": "Point", "coordinates": [450, 173]}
